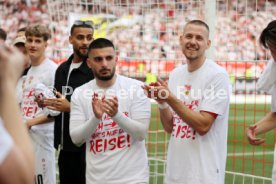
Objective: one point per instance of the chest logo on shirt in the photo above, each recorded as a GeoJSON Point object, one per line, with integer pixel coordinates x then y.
{"type": "Point", "coordinates": [30, 79]}
{"type": "Point", "coordinates": [187, 89]}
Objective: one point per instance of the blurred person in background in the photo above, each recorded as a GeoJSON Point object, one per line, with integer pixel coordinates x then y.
{"type": "Point", "coordinates": [16, 151]}
{"type": "Point", "coordinates": [267, 83]}
{"type": "Point", "coordinates": [3, 35]}
{"type": "Point", "coordinates": [19, 43]}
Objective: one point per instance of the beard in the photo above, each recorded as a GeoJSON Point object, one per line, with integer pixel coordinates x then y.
{"type": "Point", "coordinates": [81, 55]}
{"type": "Point", "coordinates": [106, 77]}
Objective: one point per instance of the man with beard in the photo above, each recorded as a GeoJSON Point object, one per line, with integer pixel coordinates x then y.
{"type": "Point", "coordinates": [69, 75]}
{"type": "Point", "coordinates": [194, 110]}
{"type": "Point", "coordinates": [111, 114]}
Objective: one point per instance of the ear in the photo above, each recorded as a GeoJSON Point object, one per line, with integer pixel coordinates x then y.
{"type": "Point", "coordinates": [116, 59]}
{"type": "Point", "coordinates": [70, 39]}
{"type": "Point", "coordinates": [209, 44]}
{"type": "Point", "coordinates": [181, 38]}
{"type": "Point", "coordinates": [46, 44]}
{"type": "Point", "coordinates": [88, 61]}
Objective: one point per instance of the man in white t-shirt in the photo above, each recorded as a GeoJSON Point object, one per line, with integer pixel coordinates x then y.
{"type": "Point", "coordinates": [267, 83]}
{"type": "Point", "coordinates": [111, 114]}
{"type": "Point", "coordinates": [16, 153]}
{"type": "Point", "coordinates": [194, 109]}
{"type": "Point", "coordinates": [38, 83]}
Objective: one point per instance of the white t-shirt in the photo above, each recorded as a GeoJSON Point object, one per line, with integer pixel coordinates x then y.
{"type": "Point", "coordinates": [267, 78]}
{"type": "Point", "coordinates": [41, 74]}
{"type": "Point", "coordinates": [72, 67]}
{"type": "Point", "coordinates": [195, 159]}
{"type": "Point", "coordinates": [5, 143]}
{"type": "Point", "coordinates": [112, 155]}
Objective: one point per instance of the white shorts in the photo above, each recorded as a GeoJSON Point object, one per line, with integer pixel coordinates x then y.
{"type": "Point", "coordinates": [45, 166]}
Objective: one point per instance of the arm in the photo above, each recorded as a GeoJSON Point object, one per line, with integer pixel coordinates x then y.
{"type": "Point", "coordinates": [58, 104]}
{"type": "Point", "coordinates": [18, 167]}
{"type": "Point", "coordinates": [136, 128]}
{"type": "Point", "coordinates": [264, 125]}
{"type": "Point", "coordinates": [137, 122]}
{"type": "Point", "coordinates": [80, 128]}
{"type": "Point", "coordinates": [151, 91]}
{"type": "Point", "coordinates": [201, 121]}
{"type": "Point", "coordinates": [166, 117]}
{"type": "Point", "coordinates": [215, 99]}
{"type": "Point", "coordinates": [38, 120]}
{"type": "Point", "coordinates": [80, 132]}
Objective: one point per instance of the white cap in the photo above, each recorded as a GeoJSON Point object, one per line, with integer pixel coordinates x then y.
{"type": "Point", "coordinates": [20, 39]}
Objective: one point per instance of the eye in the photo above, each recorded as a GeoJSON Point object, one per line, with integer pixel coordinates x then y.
{"type": "Point", "coordinates": [188, 36]}
{"type": "Point", "coordinates": [89, 37]}
{"type": "Point", "coordinates": [109, 58]}
{"type": "Point", "coordinates": [199, 38]}
{"type": "Point", "coordinates": [80, 37]}
{"type": "Point", "coordinates": [98, 59]}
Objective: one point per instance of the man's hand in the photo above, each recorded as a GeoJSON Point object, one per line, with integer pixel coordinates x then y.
{"type": "Point", "coordinates": [58, 104]}
{"type": "Point", "coordinates": [158, 91]}
{"type": "Point", "coordinates": [29, 124]}
{"type": "Point", "coordinates": [251, 136]}
{"type": "Point", "coordinates": [110, 106]}
{"type": "Point", "coordinates": [97, 105]}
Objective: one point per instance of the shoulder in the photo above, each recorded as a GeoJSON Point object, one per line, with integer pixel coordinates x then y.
{"type": "Point", "coordinates": [214, 69]}
{"type": "Point", "coordinates": [65, 64]}
{"type": "Point", "coordinates": [51, 64]}
{"type": "Point", "coordinates": [85, 86]}
{"type": "Point", "coordinates": [178, 70]}
{"type": "Point", "coordinates": [127, 82]}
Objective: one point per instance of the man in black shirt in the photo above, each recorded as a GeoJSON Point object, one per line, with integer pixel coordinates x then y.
{"type": "Point", "coordinates": [70, 75]}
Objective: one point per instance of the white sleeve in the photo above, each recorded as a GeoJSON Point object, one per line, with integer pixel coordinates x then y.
{"type": "Point", "coordinates": [216, 96]}
{"type": "Point", "coordinates": [80, 127]}
{"type": "Point", "coordinates": [137, 129]}
{"type": "Point", "coordinates": [5, 143]}
{"type": "Point", "coordinates": [140, 111]}
{"type": "Point", "coordinates": [267, 78]}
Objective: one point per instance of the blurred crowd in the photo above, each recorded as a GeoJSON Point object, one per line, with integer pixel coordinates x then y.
{"type": "Point", "coordinates": [147, 30]}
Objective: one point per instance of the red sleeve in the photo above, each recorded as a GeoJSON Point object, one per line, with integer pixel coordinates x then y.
{"type": "Point", "coordinates": [211, 113]}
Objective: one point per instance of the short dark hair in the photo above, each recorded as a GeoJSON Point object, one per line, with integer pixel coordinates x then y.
{"type": "Point", "coordinates": [3, 34]}
{"type": "Point", "coordinates": [199, 22]}
{"type": "Point", "coordinates": [100, 43]}
{"type": "Point", "coordinates": [80, 23]}
{"type": "Point", "coordinates": [268, 35]}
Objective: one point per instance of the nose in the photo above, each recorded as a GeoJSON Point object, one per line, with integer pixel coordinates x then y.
{"type": "Point", "coordinates": [104, 63]}
{"type": "Point", "coordinates": [86, 41]}
{"type": "Point", "coordinates": [32, 44]}
{"type": "Point", "coordinates": [193, 40]}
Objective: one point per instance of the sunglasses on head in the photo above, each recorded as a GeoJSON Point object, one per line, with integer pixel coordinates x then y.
{"type": "Point", "coordinates": [87, 23]}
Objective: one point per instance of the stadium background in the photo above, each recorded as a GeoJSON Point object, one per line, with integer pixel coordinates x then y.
{"type": "Point", "coordinates": [146, 33]}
